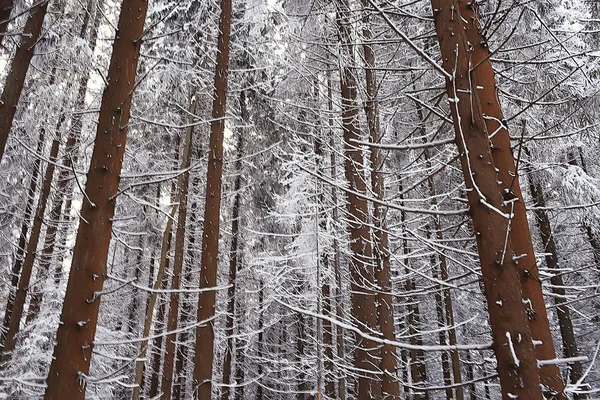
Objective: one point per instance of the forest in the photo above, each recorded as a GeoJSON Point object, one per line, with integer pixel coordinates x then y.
{"type": "Point", "coordinates": [300, 199]}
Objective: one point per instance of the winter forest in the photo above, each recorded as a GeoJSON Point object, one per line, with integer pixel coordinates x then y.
{"type": "Point", "coordinates": [300, 199]}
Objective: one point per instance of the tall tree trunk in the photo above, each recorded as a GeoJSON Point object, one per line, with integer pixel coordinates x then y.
{"type": "Point", "coordinates": [20, 252]}
{"type": "Point", "coordinates": [79, 318]}
{"type": "Point", "coordinates": [563, 312]}
{"type": "Point", "coordinates": [15, 80]}
{"type": "Point", "coordinates": [205, 335]}
{"type": "Point", "coordinates": [260, 343]}
{"type": "Point", "coordinates": [490, 212]}
{"type": "Point", "coordinates": [381, 252]}
{"type": "Point", "coordinates": [366, 354]}
{"type": "Point", "coordinates": [519, 234]}
{"type": "Point", "coordinates": [15, 314]}
{"type": "Point", "coordinates": [182, 197]}
{"type": "Point", "coordinates": [337, 265]}
{"type": "Point", "coordinates": [234, 253]}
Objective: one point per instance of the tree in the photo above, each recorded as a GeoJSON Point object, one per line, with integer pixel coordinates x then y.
{"type": "Point", "coordinates": [69, 370]}
{"type": "Point", "coordinates": [203, 362]}
{"type": "Point", "coordinates": [490, 212]}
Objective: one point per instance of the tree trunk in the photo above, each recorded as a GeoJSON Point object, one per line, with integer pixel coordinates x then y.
{"type": "Point", "coordinates": [563, 312]}
{"type": "Point", "coordinates": [260, 343]}
{"type": "Point", "coordinates": [366, 354]}
{"type": "Point", "coordinates": [234, 253]}
{"type": "Point", "coordinates": [519, 235]}
{"type": "Point", "coordinates": [15, 314]}
{"type": "Point", "coordinates": [182, 197]}
{"type": "Point", "coordinates": [20, 253]}
{"type": "Point", "coordinates": [15, 80]}
{"type": "Point", "coordinates": [418, 371]}
{"type": "Point", "coordinates": [490, 212]}
{"type": "Point", "coordinates": [210, 237]}
{"type": "Point", "coordinates": [385, 309]}
{"type": "Point", "coordinates": [337, 265]}
{"type": "Point", "coordinates": [73, 350]}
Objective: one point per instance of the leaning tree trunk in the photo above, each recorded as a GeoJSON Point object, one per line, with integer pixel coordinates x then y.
{"type": "Point", "coordinates": [79, 317]}
{"type": "Point", "coordinates": [205, 335]}
{"type": "Point", "coordinates": [366, 354]}
{"type": "Point", "coordinates": [490, 213]}
{"type": "Point", "coordinates": [563, 312]}
{"type": "Point", "coordinates": [15, 80]}
{"type": "Point", "coordinates": [182, 197]}
{"type": "Point", "coordinates": [519, 234]}
{"type": "Point", "coordinates": [385, 309]}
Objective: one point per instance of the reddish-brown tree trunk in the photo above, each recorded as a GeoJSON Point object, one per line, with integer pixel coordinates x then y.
{"type": "Point", "coordinates": [182, 197]}
{"type": "Point", "coordinates": [234, 253]}
{"type": "Point", "coordinates": [520, 236]}
{"type": "Point", "coordinates": [15, 80]}
{"type": "Point", "coordinates": [490, 212]}
{"type": "Point", "coordinates": [210, 234]}
{"type": "Point", "coordinates": [366, 354]}
{"type": "Point", "coordinates": [78, 321]}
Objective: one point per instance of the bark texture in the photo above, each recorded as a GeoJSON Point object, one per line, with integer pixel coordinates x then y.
{"type": "Point", "coordinates": [73, 351]}
{"type": "Point", "coordinates": [210, 235]}
{"type": "Point", "coordinates": [490, 212]}
{"type": "Point", "coordinates": [520, 236]}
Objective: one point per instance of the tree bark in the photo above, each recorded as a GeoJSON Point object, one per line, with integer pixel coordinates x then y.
{"type": "Point", "coordinates": [366, 354]}
{"type": "Point", "coordinates": [15, 80]}
{"type": "Point", "coordinates": [73, 351]}
{"type": "Point", "coordinates": [234, 253]}
{"type": "Point", "coordinates": [520, 236]}
{"type": "Point", "coordinates": [385, 309]}
{"type": "Point", "coordinates": [210, 237]}
{"type": "Point", "coordinates": [490, 212]}
{"type": "Point", "coordinates": [182, 197]}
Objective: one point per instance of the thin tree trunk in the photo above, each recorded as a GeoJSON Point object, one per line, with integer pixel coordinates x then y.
{"type": "Point", "coordinates": [15, 80]}
{"type": "Point", "coordinates": [210, 237]}
{"type": "Point", "coordinates": [366, 354]}
{"type": "Point", "coordinates": [519, 235]}
{"type": "Point", "coordinates": [20, 253]}
{"type": "Point", "coordinates": [491, 215]}
{"type": "Point", "coordinates": [418, 371]}
{"type": "Point", "coordinates": [182, 197]}
{"type": "Point", "coordinates": [234, 253]}
{"type": "Point", "coordinates": [14, 316]}
{"type": "Point", "coordinates": [73, 351]}
{"type": "Point", "coordinates": [260, 343]}
{"type": "Point", "coordinates": [337, 265]}
{"type": "Point", "coordinates": [385, 309]}
{"type": "Point", "coordinates": [569, 341]}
